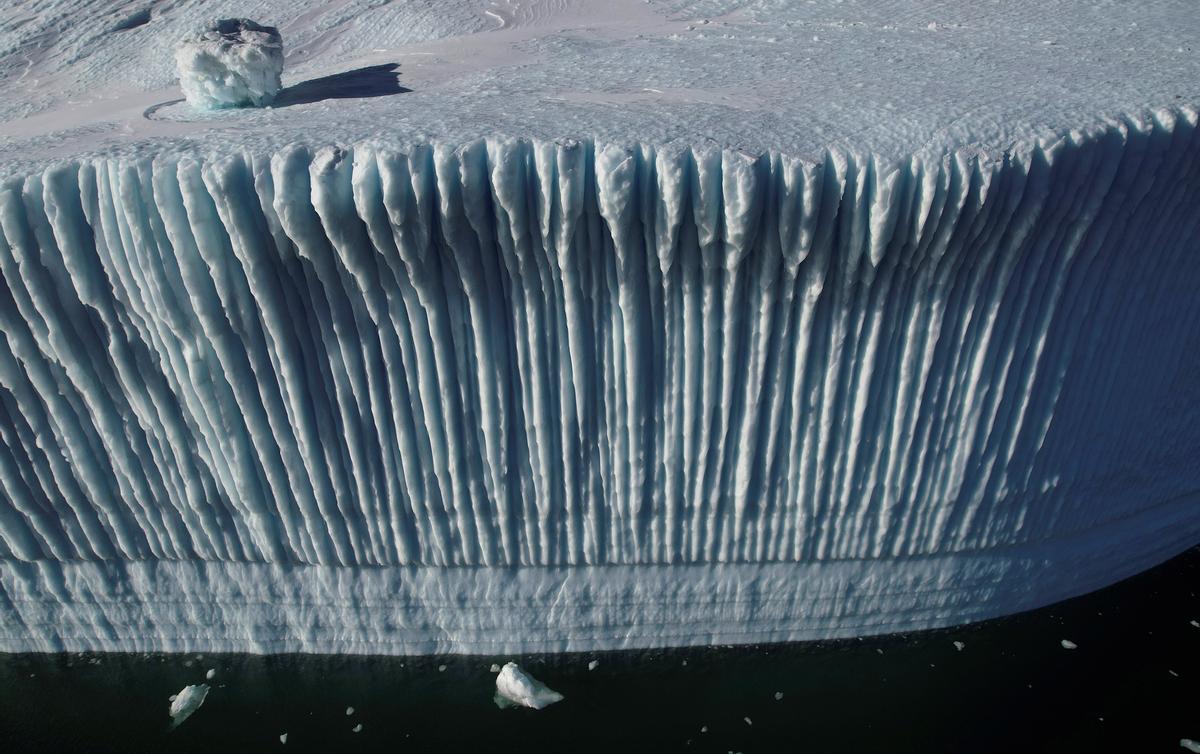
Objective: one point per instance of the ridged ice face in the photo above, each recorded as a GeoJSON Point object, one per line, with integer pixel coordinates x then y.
{"type": "Point", "coordinates": [535, 354]}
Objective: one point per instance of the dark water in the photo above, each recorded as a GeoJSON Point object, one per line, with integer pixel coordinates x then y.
{"type": "Point", "coordinates": [1132, 685]}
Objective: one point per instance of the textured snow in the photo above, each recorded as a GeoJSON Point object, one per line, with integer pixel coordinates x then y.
{"type": "Point", "coordinates": [76, 78]}
{"type": "Point", "coordinates": [520, 688]}
{"type": "Point", "coordinates": [610, 333]}
{"type": "Point", "coordinates": [187, 701]}
{"type": "Point", "coordinates": [230, 63]}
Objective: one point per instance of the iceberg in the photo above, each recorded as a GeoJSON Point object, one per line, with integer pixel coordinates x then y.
{"type": "Point", "coordinates": [187, 701]}
{"type": "Point", "coordinates": [516, 687]}
{"type": "Point", "coordinates": [527, 360]}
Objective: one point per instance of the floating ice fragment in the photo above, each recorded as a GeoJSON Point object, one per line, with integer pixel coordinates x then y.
{"type": "Point", "coordinates": [748, 721]}
{"type": "Point", "coordinates": [494, 668]}
{"type": "Point", "coordinates": [1190, 745]}
{"type": "Point", "coordinates": [356, 728]}
{"type": "Point", "coordinates": [592, 665]}
{"type": "Point", "coordinates": [441, 668]}
{"type": "Point", "coordinates": [515, 686]}
{"type": "Point", "coordinates": [779, 696]}
{"type": "Point", "coordinates": [1068, 644]}
{"type": "Point", "coordinates": [349, 711]}
{"type": "Point", "coordinates": [233, 62]}
{"type": "Point", "coordinates": [703, 728]}
{"type": "Point", "coordinates": [211, 672]}
{"type": "Point", "coordinates": [283, 738]}
{"type": "Point", "coordinates": [1195, 623]}
{"type": "Point", "coordinates": [186, 702]}
{"type": "Point", "coordinates": [960, 646]}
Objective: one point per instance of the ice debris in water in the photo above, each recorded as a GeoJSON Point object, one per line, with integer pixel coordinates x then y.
{"type": "Point", "coordinates": [779, 696]}
{"type": "Point", "coordinates": [283, 738]}
{"type": "Point", "coordinates": [592, 665]}
{"type": "Point", "coordinates": [211, 672]}
{"type": "Point", "coordinates": [514, 686]}
{"type": "Point", "coordinates": [186, 702]}
{"type": "Point", "coordinates": [1190, 745]}
{"type": "Point", "coordinates": [357, 728]}
{"type": "Point", "coordinates": [494, 668]}
{"type": "Point", "coordinates": [349, 711]}
{"type": "Point", "coordinates": [1068, 644]}
{"type": "Point", "coordinates": [960, 646]}
{"type": "Point", "coordinates": [233, 62]}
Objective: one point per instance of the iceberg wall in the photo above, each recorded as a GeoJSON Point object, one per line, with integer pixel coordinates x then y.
{"type": "Point", "coordinates": [524, 395]}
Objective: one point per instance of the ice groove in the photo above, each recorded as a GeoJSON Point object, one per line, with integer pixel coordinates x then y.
{"type": "Point", "coordinates": [516, 353]}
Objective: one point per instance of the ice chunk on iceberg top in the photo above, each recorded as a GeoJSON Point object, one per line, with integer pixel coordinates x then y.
{"type": "Point", "coordinates": [514, 685]}
{"type": "Point", "coordinates": [232, 62]}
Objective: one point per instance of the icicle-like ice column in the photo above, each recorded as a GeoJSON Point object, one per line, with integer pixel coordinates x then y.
{"type": "Point", "coordinates": [523, 395]}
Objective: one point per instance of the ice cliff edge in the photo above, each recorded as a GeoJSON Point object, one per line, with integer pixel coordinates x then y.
{"type": "Point", "coordinates": [540, 395]}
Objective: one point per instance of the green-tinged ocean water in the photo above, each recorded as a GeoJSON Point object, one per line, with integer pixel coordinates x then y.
{"type": "Point", "coordinates": [1132, 684]}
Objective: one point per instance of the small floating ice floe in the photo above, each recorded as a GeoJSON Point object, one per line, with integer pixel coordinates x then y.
{"type": "Point", "coordinates": [1068, 644]}
{"type": "Point", "coordinates": [186, 702]}
{"type": "Point", "coordinates": [283, 738]}
{"type": "Point", "coordinates": [515, 687]}
{"type": "Point", "coordinates": [211, 672]}
{"type": "Point", "coordinates": [494, 668]}
{"type": "Point", "coordinates": [779, 696]}
{"type": "Point", "coordinates": [441, 668]}
{"type": "Point", "coordinates": [960, 646]}
{"type": "Point", "coordinates": [356, 728]}
{"type": "Point", "coordinates": [1190, 745]}
{"type": "Point", "coordinates": [349, 711]}
{"type": "Point", "coordinates": [592, 665]}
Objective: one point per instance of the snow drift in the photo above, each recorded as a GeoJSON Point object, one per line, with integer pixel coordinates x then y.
{"type": "Point", "coordinates": [521, 395]}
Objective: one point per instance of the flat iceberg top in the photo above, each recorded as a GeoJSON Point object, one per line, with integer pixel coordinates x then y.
{"type": "Point", "coordinates": [797, 77]}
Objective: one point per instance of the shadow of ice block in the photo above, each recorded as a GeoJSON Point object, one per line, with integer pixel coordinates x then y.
{"type": "Point", "coordinates": [231, 63]}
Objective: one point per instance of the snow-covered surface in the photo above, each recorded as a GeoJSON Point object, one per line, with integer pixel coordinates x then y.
{"type": "Point", "coordinates": [518, 687]}
{"type": "Point", "coordinates": [232, 62]}
{"type": "Point", "coordinates": [187, 701]}
{"type": "Point", "coordinates": [871, 76]}
{"type": "Point", "coordinates": [811, 320]}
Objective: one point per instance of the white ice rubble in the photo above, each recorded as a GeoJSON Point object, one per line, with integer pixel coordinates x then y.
{"type": "Point", "coordinates": [233, 62]}
{"type": "Point", "coordinates": [516, 687]}
{"type": "Point", "coordinates": [187, 701]}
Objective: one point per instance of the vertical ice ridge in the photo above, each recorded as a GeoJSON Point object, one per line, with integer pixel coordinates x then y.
{"type": "Point", "coordinates": [521, 352]}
